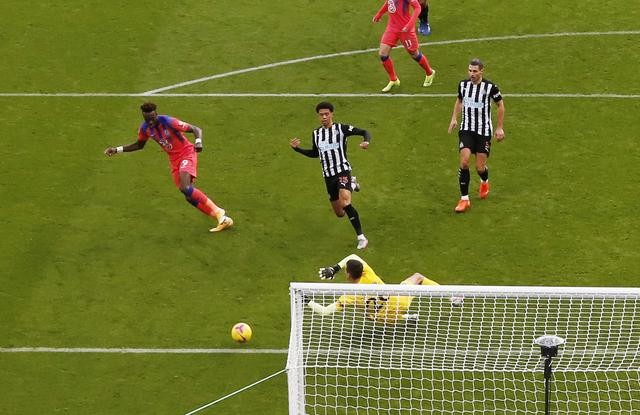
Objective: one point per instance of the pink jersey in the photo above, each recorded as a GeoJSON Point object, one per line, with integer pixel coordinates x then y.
{"type": "Point", "coordinates": [168, 133]}
{"type": "Point", "coordinates": [400, 15]}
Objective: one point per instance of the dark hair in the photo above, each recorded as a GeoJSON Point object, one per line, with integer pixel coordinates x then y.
{"type": "Point", "coordinates": [148, 107]}
{"type": "Point", "coordinates": [477, 62]}
{"type": "Point", "coordinates": [324, 105]}
{"type": "Point", "coordinates": [354, 268]}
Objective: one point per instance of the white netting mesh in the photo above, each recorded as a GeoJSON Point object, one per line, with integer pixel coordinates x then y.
{"type": "Point", "coordinates": [477, 358]}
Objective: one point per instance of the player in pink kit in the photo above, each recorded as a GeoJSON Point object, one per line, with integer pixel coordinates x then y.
{"type": "Point", "coordinates": [401, 27]}
{"type": "Point", "coordinates": [168, 132]}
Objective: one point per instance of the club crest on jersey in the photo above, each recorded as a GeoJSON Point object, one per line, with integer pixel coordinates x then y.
{"type": "Point", "coordinates": [164, 142]}
{"type": "Point", "coordinates": [391, 6]}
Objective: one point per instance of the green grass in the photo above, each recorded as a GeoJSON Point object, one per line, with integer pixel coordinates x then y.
{"type": "Point", "coordinates": [99, 252]}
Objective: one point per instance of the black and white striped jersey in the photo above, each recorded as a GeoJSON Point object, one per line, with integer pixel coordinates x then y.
{"type": "Point", "coordinates": [330, 145]}
{"type": "Point", "coordinates": [476, 105]}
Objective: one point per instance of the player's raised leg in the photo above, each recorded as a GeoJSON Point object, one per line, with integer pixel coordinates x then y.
{"type": "Point", "coordinates": [201, 201]}
{"type": "Point", "coordinates": [418, 279]}
{"type": "Point", "coordinates": [343, 206]}
{"type": "Point", "coordinates": [422, 60]}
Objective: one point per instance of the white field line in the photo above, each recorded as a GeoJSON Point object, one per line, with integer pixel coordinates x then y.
{"type": "Point", "coordinates": [158, 91]}
{"type": "Point", "coordinates": [328, 94]}
{"type": "Point", "coordinates": [126, 350]}
{"type": "Point", "coordinates": [357, 52]}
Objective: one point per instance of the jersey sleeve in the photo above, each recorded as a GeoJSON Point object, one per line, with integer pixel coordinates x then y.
{"type": "Point", "coordinates": [177, 124]}
{"type": "Point", "coordinates": [349, 130]}
{"type": "Point", "coordinates": [382, 10]}
{"type": "Point", "coordinates": [312, 152]}
{"type": "Point", "coordinates": [495, 93]}
{"type": "Point", "coordinates": [460, 91]}
{"type": "Point", "coordinates": [142, 133]}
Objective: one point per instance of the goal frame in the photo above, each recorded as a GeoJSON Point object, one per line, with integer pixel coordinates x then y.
{"type": "Point", "coordinates": [295, 361]}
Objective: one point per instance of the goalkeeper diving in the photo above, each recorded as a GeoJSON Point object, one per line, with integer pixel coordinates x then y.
{"type": "Point", "coordinates": [382, 309]}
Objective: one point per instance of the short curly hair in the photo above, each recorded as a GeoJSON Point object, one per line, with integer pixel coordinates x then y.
{"type": "Point", "coordinates": [148, 107]}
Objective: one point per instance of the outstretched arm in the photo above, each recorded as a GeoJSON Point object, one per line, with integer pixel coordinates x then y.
{"type": "Point", "coordinates": [295, 145]}
{"type": "Point", "coordinates": [322, 310]}
{"type": "Point", "coordinates": [329, 273]}
{"type": "Point", "coordinates": [138, 145]}
{"type": "Point", "coordinates": [344, 261]}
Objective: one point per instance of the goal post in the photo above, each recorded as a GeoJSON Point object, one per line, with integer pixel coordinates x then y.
{"type": "Point", "coordinates": [462, 350]}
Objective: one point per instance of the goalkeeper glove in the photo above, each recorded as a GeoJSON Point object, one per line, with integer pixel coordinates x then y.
{"type": "Point", "coordinates": [327, 273]}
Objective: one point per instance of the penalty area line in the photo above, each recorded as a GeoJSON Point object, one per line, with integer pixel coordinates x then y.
{"type": "Point", "coordinates": [128, 350]}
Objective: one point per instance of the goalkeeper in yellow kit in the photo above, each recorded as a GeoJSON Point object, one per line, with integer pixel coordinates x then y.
{"type": "Point", "coordinates": [383, 309]}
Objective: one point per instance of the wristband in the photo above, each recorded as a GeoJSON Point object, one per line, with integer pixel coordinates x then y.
{"type": "Point", "coordinates": [198, 141]}
{"type": "Point", "coordinates": [120, 149]}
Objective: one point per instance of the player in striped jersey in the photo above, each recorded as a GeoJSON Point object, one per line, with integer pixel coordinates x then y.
{"type": "Point", "coordinates": [329, 143]}
{"type": "Point", "coordinates": [168, 132]}
{"type": "Point", "coordinates": [382, 309]}
{"type": "Point", "coordinates": [474, 101]}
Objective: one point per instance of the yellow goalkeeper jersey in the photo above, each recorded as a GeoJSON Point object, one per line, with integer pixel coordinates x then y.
{"type": "Point", "coordinates": [383, 309]}
{"type": "Point", "coordinates": [368, 277]}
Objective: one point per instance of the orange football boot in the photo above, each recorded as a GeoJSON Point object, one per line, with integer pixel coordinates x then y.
{"type": "Point", "coordinates": [463, 205]}
{"type": "Point", "coordinates": [484, 189]}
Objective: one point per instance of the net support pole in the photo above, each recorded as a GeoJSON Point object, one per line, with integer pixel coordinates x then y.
{"type": "Point", "coordinates": [548, 349]}
{"type": "Point", "coordinates": [547, 379]}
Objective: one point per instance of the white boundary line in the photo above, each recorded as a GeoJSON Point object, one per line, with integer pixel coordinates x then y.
{"type": "Point", "coordinates": [328, 94]}
{"type": "Point", "coordinates": [357, 52]}
{"type": "Point", "coordinates": [158, 91]}
{"type": "Point", "coordinates": [125, 350]}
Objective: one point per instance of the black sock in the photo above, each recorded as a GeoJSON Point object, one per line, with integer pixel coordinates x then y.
{"type": "Point", "coordinates": [354, 218]}
{"type": "Point", "coordinates": [424, 14]}
{"type": "Point", "coordinates": [484, 175]}
{"type": "Point", "coordinates": [464, 177]}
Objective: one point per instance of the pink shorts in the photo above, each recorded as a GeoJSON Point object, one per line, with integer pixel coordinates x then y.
{"type": "Point", "coordinates": [408, 39]}
{"type": "Point", "coordinates": [188, 163]}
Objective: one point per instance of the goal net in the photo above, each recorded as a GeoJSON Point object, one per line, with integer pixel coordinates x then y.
{"type": "Point", "coordinates": [462, 350]}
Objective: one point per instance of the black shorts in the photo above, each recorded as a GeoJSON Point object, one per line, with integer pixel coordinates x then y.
{"type": "Point", "coordinates": [337, 182]}
{"type": "Point", "coordinates": [475, 142]}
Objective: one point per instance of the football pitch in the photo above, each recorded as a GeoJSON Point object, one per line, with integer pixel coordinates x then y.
{"type": "Point", "coordinates": [104, 254]}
